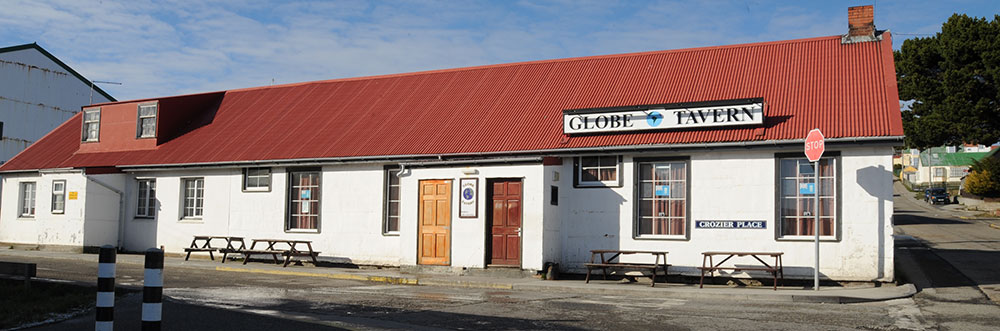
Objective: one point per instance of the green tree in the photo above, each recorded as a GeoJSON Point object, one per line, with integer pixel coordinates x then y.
{"type": "Point", "coordinates": [952, 78]}
{"type": "Point", "coordinates": [984, 177]}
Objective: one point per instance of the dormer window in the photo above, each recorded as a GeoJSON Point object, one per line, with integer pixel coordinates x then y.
{"type": "Point", "coordinates": [91, 124]}
{"type": "Point", "coordinates": [146, 124]}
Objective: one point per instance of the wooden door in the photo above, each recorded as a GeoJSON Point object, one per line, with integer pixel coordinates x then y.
{"type": "Point", "coordinates": [505, 222]}
{"type": "Point", "coordinates": [434, 243]}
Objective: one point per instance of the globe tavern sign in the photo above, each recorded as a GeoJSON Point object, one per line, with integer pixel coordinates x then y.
{"type": "Point", "coordinates": [664, 116]}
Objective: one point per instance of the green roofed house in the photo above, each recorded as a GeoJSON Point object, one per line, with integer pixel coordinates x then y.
{"type": "Point", "coordinates": [944, 166]}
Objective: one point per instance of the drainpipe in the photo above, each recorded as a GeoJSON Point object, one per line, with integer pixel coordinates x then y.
{"type": "Point", "coordinates": [121, 209]}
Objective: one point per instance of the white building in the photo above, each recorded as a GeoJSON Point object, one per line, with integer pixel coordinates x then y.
{"type": "Point", "coordinates": [37, 93]}
{"type": "Point", "coordinates": [510, 165]}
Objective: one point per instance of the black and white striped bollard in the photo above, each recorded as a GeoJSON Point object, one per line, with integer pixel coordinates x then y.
{"type": "Point", "coordinates": [105, 289]}
{"type": "Point", "coordinates": [152, 290]}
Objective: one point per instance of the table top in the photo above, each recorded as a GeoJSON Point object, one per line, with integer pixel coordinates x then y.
{"type": "Point", "coordinates": [621, 251]}
{"type": "Point", "coordinates": [284, 240]}
{"type": "Point", "coordinates": [744, 253]}
{"type": "Point", "coordinates": [218, 237]}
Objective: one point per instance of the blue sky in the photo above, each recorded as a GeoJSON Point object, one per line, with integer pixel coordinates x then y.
{"type": "Point", "coordinates": [160, 48]}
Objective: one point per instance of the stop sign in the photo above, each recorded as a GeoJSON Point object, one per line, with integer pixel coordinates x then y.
{"type": "Point", "coordinates": [814, 145]}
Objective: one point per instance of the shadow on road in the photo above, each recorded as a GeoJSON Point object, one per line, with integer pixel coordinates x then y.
{"type": "Point", "coordinates": [902, 219]}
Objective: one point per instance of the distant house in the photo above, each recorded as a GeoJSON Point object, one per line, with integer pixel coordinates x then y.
{"type": "Point", "coordinates": [38, 92]}
{"type": "Point", "coordinates": [942, 166]}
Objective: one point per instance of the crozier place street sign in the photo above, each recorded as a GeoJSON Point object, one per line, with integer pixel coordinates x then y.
{"type": "Point", "coordinates": [665, 116]}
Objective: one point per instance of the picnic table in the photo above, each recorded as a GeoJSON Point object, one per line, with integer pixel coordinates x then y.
{"type": "Point", "coordinates": [610, 263]}
{"type": "Point", "coordinates": [293, 249]}
{"type": "Point", "coordinates": [775, 268]}
{"type": "Point", "coordinates": [204, 244]}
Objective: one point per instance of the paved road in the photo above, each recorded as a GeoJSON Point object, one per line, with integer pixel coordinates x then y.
{"type": "Point", "coordinates": [206, 299]}
{"type": "Point", "coordinates": [959, 260]}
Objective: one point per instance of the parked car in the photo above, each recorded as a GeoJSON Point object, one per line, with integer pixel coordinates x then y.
{"type": "Point", "coordinates": [936, 195]}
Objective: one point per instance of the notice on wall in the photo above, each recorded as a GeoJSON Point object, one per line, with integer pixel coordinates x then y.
{"type": "Point", "coordinates": [725, 224]}
{"type": "Point", "coordinates": [663, 190]}
{"type": "Point", "coordinates": [73, 195]}
{"type": "Point", "coordinates": [468, 203]}
{"type": "Point", "coordinates": [807, 188]}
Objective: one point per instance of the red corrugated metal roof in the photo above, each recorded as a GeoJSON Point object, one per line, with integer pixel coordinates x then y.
{"type": "Point", "coordinates": [847, 90]}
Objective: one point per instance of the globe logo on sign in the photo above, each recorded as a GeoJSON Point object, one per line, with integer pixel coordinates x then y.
{"type": "Point", "coordinates": [654, 118]}
{"type": "Point", "coordinates": [467, 193]}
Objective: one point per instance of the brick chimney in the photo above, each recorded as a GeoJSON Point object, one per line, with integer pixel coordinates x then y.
{"type": "Point", "coordinates": [861, 21]}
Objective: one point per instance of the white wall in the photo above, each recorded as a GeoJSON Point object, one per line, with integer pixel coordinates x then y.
{"type": "Point", "coordinates": [67, 229]}
{"type": "Point", "coordinates": [740, 185]}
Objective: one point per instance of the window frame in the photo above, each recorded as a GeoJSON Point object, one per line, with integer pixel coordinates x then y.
{"type": "Point", "coordinates": [317, 197]}
{"type": "Point", "coordinates": [390, 172]}
{"type": "Point", "coordinates": [83, 132]}
{"type": "Point", "coordinates": [139, 118]}
{"type": "Point", "coordinates": [578, 170]}
{"type": "Point", "coordinates": [838, 198]}
{"type": "Point", "coordinates": [184, 199]}
{"type": "Point", "coordinates": [21, 203]}
{"type": "Point", "coordinates": [637, 198]}
{"type": "Point", "coordinates": [150, 198]}
{"type": "Point", "coordinates": [245, 173]}
{"type": "Point", "coordinates": [61, 194]}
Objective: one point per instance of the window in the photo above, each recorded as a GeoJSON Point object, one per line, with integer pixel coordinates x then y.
{"type": "Point", "coordinates": [27, 199]}
{"type": "Point", "coordinates": [257, 179]}
{"type": "Point", "coordinates": [597, 171]}
{"type": "Point", "coordinates": [303, 198]}
{"type": "Point", "coordinates": [146, 124]}
{"type": "Point", "coordinates": [391, 222]}
{"type": "Point", "coordinates": [798, 194]}
{"type": "Point", "coordinates": [662, 199]}
{"type": "Point", "coordinates": [194, 197]}
{"type": "Point", "coordinates": [938, 172]}
{"type": "Point", "coordinates": [146, 208]}
{"type": "Point", "coordinates": [958, 172]}
{"type": "Point", "coordinates": [58, 196]}
{"type": "Point", "coordinates": [91, 124]}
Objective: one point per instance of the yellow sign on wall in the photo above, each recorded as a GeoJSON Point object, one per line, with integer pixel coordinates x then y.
{"type": "Point", "coordinates": [72, 195]}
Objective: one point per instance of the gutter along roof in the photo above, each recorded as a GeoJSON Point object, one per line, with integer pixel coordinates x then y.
{"type": "Point", "coordinates": [846, 90]}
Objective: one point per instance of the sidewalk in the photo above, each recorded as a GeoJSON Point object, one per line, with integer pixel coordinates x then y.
{"type": "Point", "coordinates": [829, 294]}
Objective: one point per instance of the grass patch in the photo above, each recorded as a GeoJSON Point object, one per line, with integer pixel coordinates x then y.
{"type": "Point", "coordinates": [42, 301]}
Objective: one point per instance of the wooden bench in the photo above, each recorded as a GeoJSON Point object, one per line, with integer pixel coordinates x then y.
{"type": "Point", "coordinates": [18, 269]}
{"type": "Point", "coordinates": [776, 269]}
{"type": "Point", "coordinates": [289, 253]}
{"type": "Point", "coordinates": [608, 263]}
{"type": "Point", "coordinates": [273, 252]}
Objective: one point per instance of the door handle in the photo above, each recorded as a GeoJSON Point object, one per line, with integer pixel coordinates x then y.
{"type": "Point", "coordinates": [518, 232]}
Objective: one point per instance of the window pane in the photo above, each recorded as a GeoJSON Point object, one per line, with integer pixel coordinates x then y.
{"type": "Point", "coordinates": [789, 187]}
{"type": "Point", "coordinates": [646, 226]}
{"type": "Point", "coordinates": [608, 161]}
{"type": "Point", "coordinates": [805, 168]}
{"type": "Point", "coordinates": [645, 171]}
{"type": "Point", "coordinates": [393, 224]}
{"type": "Point", "coordinates": [394, 193]}
{"type": "Point", "coordinates": [608, 174]}
{"type": "Point", "coordinates": [148, 127]}
{"type": "Point", "coordinates": [589, 175]}
{"type": "Point", "coordinates": [788, 168]}
{"type": "Point", "coordinates": [588, 161]}
{"type": "Point", "coordinates": [264, 181]}
{"type": "Point", "coordinates": [394, 208]}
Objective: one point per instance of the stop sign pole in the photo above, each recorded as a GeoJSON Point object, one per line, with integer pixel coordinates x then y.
{"type": "Point", "coordinates": [814, 148]}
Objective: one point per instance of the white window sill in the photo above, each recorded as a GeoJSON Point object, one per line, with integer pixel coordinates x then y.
{"type": "Point", "coordinates": [191, 220]}
{"type": "Point", "coordinates": [662, 236]}
{"type": "Point", "coordinates": [391, 234]}
{"type": "Point", "coordinates": [26, 217]}
{"type": "Point", "coordinates": [806, 238]}
{"type": "Point", "coordinates": [302, 231]}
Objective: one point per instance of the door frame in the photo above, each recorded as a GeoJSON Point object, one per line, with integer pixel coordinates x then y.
{"type": "Point", "coordinates": [488, 224]}
{"type": "Point", "coordinates": [451, 226]}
